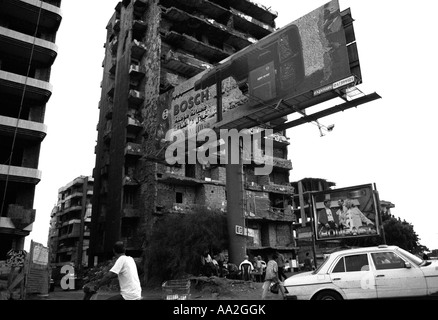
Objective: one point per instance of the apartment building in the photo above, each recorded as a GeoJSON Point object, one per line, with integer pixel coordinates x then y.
{"type": "Point", "coordinates": [151, 48]}
{"type": "Point", "coordinates": [69, 233]}
{"type": "Point", "coordinates": [27, 52]}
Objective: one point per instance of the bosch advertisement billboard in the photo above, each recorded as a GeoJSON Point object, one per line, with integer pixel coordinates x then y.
{"type": "Point", "coordinates": [306, 55]}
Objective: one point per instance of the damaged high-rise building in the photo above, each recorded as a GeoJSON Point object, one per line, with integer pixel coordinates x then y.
{"type": "Point", "coordinates": [28, 31]}
{"type": "Point", "coordinates": [152, 47]}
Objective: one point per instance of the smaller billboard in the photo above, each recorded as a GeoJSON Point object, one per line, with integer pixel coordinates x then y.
{"type": "Point", "coordinates": [345, 213]}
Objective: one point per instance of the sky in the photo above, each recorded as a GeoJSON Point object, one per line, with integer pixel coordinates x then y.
{"type": "Point", "coordinates": [388, 142]}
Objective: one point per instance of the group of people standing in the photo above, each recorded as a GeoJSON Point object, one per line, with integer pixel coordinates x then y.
{"type": "Point", "coordinates": [216, 266]}
{"type": "Point", "coordinates": [270, 272]}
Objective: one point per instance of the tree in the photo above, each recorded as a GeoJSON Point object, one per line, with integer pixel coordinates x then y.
{"type": "Point", "coordinates": [178, 241]}
{"type": "Point", "coordinates": [397, 232]}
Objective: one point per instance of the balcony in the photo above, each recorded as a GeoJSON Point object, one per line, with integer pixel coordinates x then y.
{"type": "Point", "coordinates": [73, 234]}
{"type": "Point", "coordinates": [133, 149]}
{"type": "Point", "coordinates": [109, 112]}
{"type": "Point", "coordinates": [26, 130]}
{"type": "Point", "coordinates": [206, 8]}
{"type": "Point", "coordinates": [130, 181]}
{"type": "Point", "coordinates": [138, 49]}
{"type": "Point", "coordinates": [107, 135]}
{"type": "Point", "coordinates": [113, 67]}
{"type": "Point", "coordinates": [195, 47]}
{"type": "Point", "coordinates": [76, 194]}
{"type": "Point", "coordinates": [111, 92]}
{"type": "Point", "coordinates": [113, 46]}
{"type": "Point", "coordinates": [253, 9]}
{"type": "Point", "coordinates": [277, 163]}
{"type": "Point", "coordinates": [282, 164]}
{"type": "Point", "coordinates": [72, 208]}
{"type": "Point", "coordinates": [272, 214]}
{"type": "Point", "coordinates": [14, 84]}
{"type": "Point", "coordinates": [253, 26]}
{"type": "Point", "coordinates": [21, 217]}
{"type": "Point", "coordinates": [182, 63]}
{"type": "Point", "coordinates": [139, 26]}
{"type": "Point", "coordinates": [175, 179]}
{"type": "Point", "coordinates": [72, 221]}
{"type": "Point", "coordinates": [8, 227]}
{"type": "Point", "coordinates": [186, 208]}
{"type": "Point", "coordinates": [76, 182]}
{"type": "Point", "coordinates": [136, 73]}
{"type": "Point", "coordinates": [140, 6]}
{"type": "Point", "coordinates": [28, 10]}
{"type": "Point", "coordinates": [118, 7]}
{"type": "Point", "coordinates": [129, 212]}
{"type": "Point", "coordinates": [116, 25]}
{"type": "Point", "coordinates": [184, 23]}
{"type": "Point", "coordinates": [277, 188]}
{"type": "Point", "coordinates": [133, 125]}
{"type": "Point", "coordinates": [104, 170]}
{"type": "Point", "coordinates": [19, 44]}
{"type": "Point", "coordinates": [20, 174]}
{"type": "Point", "coordinates": [253, 186]}
{"type": "Point", "coordinates": [135, 98]}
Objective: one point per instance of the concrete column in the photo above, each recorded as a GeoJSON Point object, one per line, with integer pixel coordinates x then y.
{"type": "Point", "coordinates": [235, 210]}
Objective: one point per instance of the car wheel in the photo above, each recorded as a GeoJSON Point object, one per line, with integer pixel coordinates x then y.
{"type": "Point", "coordinates": [328, 295]}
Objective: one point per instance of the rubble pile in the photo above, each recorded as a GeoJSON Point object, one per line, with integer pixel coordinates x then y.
{"type": "Point", "coordinates": [95, 274]}
{"type": "Point", "coordinates": [216, 286]}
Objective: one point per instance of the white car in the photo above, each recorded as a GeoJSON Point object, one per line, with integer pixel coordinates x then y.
{"type": "Point", "coordinates": [366, 273]}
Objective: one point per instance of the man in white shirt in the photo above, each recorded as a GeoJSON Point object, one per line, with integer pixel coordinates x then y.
{"type": "Point", "coordinates": [126, 270]}
{"type": "Point", "coordinates": [246, 268]}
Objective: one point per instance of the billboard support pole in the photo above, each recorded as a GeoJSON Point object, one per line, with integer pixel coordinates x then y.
{"type": "Point", "coordinates": [234, 187]}
{"type": "Point", "coordinates": [235, 210]}
{"type": "Point", "coordinates": [313, 235]}
{"type": "Point", "coordinates": [376, 193]}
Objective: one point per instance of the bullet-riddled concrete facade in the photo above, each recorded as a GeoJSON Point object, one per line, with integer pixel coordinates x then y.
{"type": "Point", "coordinates": [152, 47]}
{"type": "Point", "coordinates": [27, 52]}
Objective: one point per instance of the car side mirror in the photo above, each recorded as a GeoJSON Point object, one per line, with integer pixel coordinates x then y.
{"type": "Point", "coordinates": [408, 265]}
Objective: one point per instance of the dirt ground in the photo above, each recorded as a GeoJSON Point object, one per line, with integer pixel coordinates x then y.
{"type": "Point", "coordinates": [212, 288]}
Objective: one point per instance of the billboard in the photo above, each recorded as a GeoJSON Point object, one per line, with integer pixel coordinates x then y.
{"type": "Point", "coordinates": [184, 107]}
{"type": "Point", "coordinates": [345, 213]}
{"type": "Point", "coordinates": [307, 55]}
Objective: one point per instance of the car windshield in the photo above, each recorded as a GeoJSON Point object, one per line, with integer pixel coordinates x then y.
{"type": "Point", "coordinates": [418, 261]}
{"type": "Point", "coordinates": [321, 265]}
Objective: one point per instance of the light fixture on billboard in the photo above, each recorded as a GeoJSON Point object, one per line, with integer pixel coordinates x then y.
{"type": "Point", "coordinates": [322, 127]}
{"type": "Point", "coordinates": [352, 93]}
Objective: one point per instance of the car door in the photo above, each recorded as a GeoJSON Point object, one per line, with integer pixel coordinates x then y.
{"type": "Point", "coordinates": [394, 279]}
{"type": "Point", "coordinates": [352, 274]}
